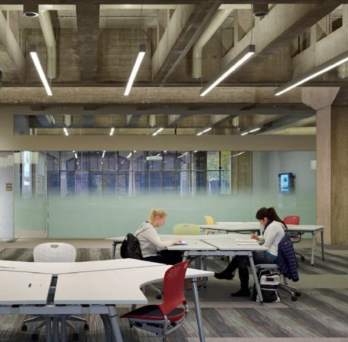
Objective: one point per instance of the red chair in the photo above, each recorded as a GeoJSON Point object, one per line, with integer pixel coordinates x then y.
{"type": "Point", "coordinates": [168, 316]}
{"type": "Point", "coordinates": [295, 237]}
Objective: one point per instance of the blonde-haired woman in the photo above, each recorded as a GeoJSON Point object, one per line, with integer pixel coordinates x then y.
{"type": "Point", "coordinates": [152, 247]}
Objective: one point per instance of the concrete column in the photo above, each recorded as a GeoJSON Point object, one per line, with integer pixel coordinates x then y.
{"type": "Point", "coordinates": [6, 196]}
{"type": "Point", "coordinates": [162, 23]}
{"type": "Point", "coordinates": [332, 164]}
{"type": "Point", "coordinates": [241, 172]}
{"type": "Point", "coordinates": [243, 22]}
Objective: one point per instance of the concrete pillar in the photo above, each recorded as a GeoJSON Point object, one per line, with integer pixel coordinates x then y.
{"type": "Point", "coordinates": [243, 23]}
{"type": "Point", "coordinates": [332, 164]}
{"type": "Point", "coordinates": [6, 196]}
{"type": "Point", "coordinates": [162, 23]}
{"type": "Point", "coordinates": [241, 172]}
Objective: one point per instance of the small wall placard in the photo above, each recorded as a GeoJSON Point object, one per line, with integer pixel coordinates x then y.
{"type": "Point", "coordinates": [8, 186]}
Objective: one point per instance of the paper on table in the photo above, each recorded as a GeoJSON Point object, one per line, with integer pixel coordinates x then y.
{"type": "Point", "coordinates": [246, 243]}
{"type": "Point", "coordinates": [247, 240]}
{"type": "Point", "coordinates": [180, 243]}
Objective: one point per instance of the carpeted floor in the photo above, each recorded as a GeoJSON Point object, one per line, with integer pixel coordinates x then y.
{"type": "Point", "coordinates": [318, 315]}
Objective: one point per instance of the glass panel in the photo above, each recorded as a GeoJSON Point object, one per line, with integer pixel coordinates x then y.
{"type": "Point", "coordinates": [123, 161]}
{"type": "Point", "coordinates": [169, 182]}
{"type": "Point", "coordinates": [200, 160]}
{"type": "Point", "coordinates": [95, 183]}
{"type": "Point", "coordinates": [109, 182]}
{"type": "Point", "coordinates": [81, 183]}
{"type": "Point", "coordinates": [109, 161]}
{"type": "Point", "coordinates": [83, 160]}
{"type": "Point", "coordinates": [212, 160]}
{"type": "Point", "coordinates": [184, 161]}
{"type": "Point", "coordinates": [139, 161]}
{"type": "Point", "coordinates": [155, 182]}
{"type": "Point", "coordinates": [53, 161]}
{"type": "Point", "coordinates": [140, 183]}
{"type": "Point", "coordinates": [95, 160]}
{"type": "Point", "coordinates": [184, 183]}
{"type": "Point", "coordinates": [154, 161]}
{"type": "Point", "coordinates": [67, 161]}
{"type": "Point", "coordinates": [169, 159]}
{"type": "Point", "coordinates": [122, 182]}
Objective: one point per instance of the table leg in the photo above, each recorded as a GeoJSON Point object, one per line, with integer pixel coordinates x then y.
{"type": "Point", "coordinates": [256, 280]}
{"type": "Point", "coordinates": [313, 248]}
{"type": "Point", "coordinates": [63, 328]}
{"type": "Point", "coordinates": [114, 244]}
{"type": "Point", "coordinates": [48, 329]}
{"type": "Point", "coordinates": [55, 329]}
{"type": "Point", "coordinates": [106, 328]}
{"type": "Point", "coordinates": [114, 324]}
{"type": "Point", "coordinates": [184, 257]}
{"type": "Point", "coordinates": [198, 310]}
{"type": "Point", "coordinates": [322, 245]}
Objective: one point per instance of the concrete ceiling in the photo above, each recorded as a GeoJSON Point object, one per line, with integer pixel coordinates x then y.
{"type": "Point", "coordinates": [97, 45]}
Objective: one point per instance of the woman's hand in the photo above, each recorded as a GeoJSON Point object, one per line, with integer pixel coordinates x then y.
{"type": "Point", "coordinates": [254, 237]}
{"type": "Point", "coordinates": [177, 240]}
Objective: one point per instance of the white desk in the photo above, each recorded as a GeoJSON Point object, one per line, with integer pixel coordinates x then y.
{"type": "Point", "coordinates": [255, 227]}
{"type": "Point", "coordinates": [86, 291]}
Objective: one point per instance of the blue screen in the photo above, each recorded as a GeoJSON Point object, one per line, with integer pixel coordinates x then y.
{"type": "Point", "coordinates": [284, 183]}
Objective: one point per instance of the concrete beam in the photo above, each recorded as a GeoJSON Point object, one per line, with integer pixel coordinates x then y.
{"type": "Point", "coordinates": [149, 95]}
{"type": "Point", "coordinates": [132, 120]}
{"type": "Point", "coordinates": [184, 28]}
{"type": "Point", "coordinates": [88, 35]}
{"type": "Point", "coordinates": [283, 24]}
{"type": "Point", "coordinates": [163, 2]}
{"type": "Point", "coordinates": [11, 57]}
{"type": "Point", "coordinates": [294, 131]}
{"type": "Point", "coordinates": [175, 119]}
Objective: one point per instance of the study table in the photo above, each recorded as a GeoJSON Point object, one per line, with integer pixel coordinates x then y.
{"type": "Point", "coordinates": [240, 227]}
{"type": "Point", "coordinates": [82, 289]}
{"type": "Point", "coordinates": [214, 246]}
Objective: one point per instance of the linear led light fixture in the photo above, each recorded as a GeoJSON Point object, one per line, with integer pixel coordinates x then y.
{"type": "Point", "coordinates": [112, 130]}
{"type": "Point", "coordinates": [141, 54]}
{"type": "Point", "coordinates": [75, 155]}
{"type": "Point", "coordinates": [65, 131]}
{"type": "Point", "coordinates": [320, 69]}
{"type": "Point", "coordinates": [103, 154]}
{"type": "Point", "coordinates": [156, 132]}
{"type": "Point", "coordinates": [252, 131]}
{"type": "Point", "coordinates": [129, 155]}
{"type": "Point", "coordinates": [205, 131]}
{"type": "Point", "coordinates": [238, 154]}
{"type": "Point", "coordinates": [39, 69]}
{"type": "Point", "coordinates": [231, 67]}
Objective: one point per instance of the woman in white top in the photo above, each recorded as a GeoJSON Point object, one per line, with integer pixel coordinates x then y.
{"type": "Point", "coordinates": [152, 247]}
{"type": "Point", "coordinates": [273, 233]}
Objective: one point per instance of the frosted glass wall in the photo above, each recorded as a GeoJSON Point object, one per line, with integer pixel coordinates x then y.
{"type": "Point", "coordinates": [98, 195]}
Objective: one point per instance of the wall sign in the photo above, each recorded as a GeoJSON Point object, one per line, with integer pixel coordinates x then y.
{"type": "Point", "coordinates": [8, 186]}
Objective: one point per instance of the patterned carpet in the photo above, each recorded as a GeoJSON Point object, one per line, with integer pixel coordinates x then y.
{"type": "Point", "coordinates": [319, 313]}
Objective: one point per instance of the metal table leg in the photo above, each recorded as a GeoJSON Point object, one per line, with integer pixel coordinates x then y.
{"type": "Point", "coordinates": [63, 328]}
{"type": "Point", "coordinates": [106, 328]}
{"type": "Point", "coordinates": [114, 324]}
{"type": "Point", "coordinates": [313, 249]}
{"type": "Point", "coordinates": [322, 244]}
{"type": "Point", "coordinates": [256, 280]}
{"type": "Point", "coordinates": [48, 329]}
{"type": "Point", "coordinates": [198, 310]}
{"type": "Point", "coordinates": [55, 329]}
{"type": "Point", "coordinates": [114, 244]}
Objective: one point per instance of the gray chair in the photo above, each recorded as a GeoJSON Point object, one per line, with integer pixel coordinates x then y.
{"type": "Point", "coordinates": [54, 252]}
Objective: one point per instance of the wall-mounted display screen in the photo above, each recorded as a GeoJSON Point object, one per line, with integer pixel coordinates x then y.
{"type": "Point", "coordinates": [286, 182]}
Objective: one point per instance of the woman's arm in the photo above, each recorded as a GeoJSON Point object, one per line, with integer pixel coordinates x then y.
{"type": "Point", "coordinates": [151, 235]}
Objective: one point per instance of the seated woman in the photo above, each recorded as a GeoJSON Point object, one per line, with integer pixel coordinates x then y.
{"type": "Point", "coordinates": [272, 234]}
{"type": "Point", "coordinates": [151, 245]}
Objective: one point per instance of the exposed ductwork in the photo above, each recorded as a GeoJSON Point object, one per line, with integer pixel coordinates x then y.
{"type": "Point", "coordinates": [212, 27]}
{"type": "Point", "coordinates": [47, 30]}
{"type": "Point", "coordinates": [260, 10]}
{"type": "Point", "coordinates": [152, 120]}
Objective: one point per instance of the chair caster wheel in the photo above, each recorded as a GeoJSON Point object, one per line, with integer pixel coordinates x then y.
{"type": "Point", "coordinates": [294, 298]}
{"type": "Point", "coordinates": [75, 337]}
{"type": "Point", "coordinates": [34, 337]}
{"type": "Point", "coordinates": [303, 258]}
{"type": "Point", "coordinates": [205, 287]}
{"type": "Point", "coordinates": [298, 294]}
{"type": "Point", "coordinates": [159, 297]}
{"type": "Point", "coordinates": [24, 327]}
{"type": "Point", "coordinates": [86, 327]}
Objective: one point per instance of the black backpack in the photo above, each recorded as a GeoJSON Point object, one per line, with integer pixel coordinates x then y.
{"type": "Point", "coordinates": [130, 248]}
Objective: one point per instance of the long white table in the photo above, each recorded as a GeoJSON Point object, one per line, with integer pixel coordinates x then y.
{"type": "Point", "coordinates": [212, 245]}
{"type": "Point", "coordinates": [254, 227]}
{"type": "Point", "coordinates": [81, 289]}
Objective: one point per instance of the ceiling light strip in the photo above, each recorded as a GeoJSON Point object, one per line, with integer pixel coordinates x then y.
{"type": "Point", "coordinates": [204, 131]}
{"type": "Point", "coordinates": [141, 55]}
{"type": "Point", "coordinates": [231, 67]}
{"type": "Point", "coordinates": [65, 131]}
{"type": "Point", "coordinates": [39, 69]}
{"type": "Point", "coordinates": [156, 132]}
{"type": "Point", "coordinates": [112, 130]}
{"type": "Point", "coordinates": [320, 69]}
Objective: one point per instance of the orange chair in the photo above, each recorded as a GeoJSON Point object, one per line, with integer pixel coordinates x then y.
{"type": "Point", "coordinates": [295, 237]}
{"type": "Point", "coordinates": [168, 316]}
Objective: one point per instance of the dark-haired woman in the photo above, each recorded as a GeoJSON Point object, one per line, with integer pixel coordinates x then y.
{"type": "Point", "coordinates": [272, 234]}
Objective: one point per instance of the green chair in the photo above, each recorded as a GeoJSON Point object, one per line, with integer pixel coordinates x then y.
{"type": "Point", "coordinates": [186, 229]}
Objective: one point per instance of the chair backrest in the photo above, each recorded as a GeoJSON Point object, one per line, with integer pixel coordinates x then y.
{"type": "Point", "coordinates": [292, 220]}
{"type": "Point", "coordinates": [173, 287]}
{"type": "Point", "coordinates": [186, 229]}
{"type": "Point", "coordinates": [54, 252]}
{"type": "Point", "coordinates": [209, 219]}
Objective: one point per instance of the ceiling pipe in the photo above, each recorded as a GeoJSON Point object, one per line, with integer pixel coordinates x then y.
{"type": "Point", "coordinates": [47, 30]}
{"type": "Point", "coordinates": [152, 120]}
{"type": "Point", "coordinates": [260, 10]}
{"type": "Point", "coordinates": [212, 27]}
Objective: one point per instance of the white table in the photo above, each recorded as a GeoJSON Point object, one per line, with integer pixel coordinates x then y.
{"type": "Point", "coordinates": [229, 227]}
{"type": "Point", "coordinates": [81, 289]}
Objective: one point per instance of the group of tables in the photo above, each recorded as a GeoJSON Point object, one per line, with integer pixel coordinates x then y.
{"type": "Point", "coordinates": [93, 287]}
{"type": "Point", "coordinates": [96, 287]}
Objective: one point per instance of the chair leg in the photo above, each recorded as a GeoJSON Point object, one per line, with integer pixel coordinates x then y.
{"type": "Point", "coordinates": [70, 326]}
{"type": "Point", "coordinates": [43, 323]}
{"type": "Point", "coordinates": [33, 319]}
